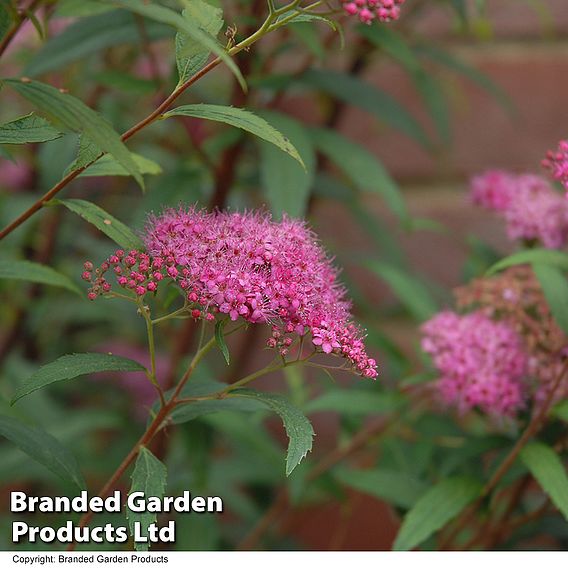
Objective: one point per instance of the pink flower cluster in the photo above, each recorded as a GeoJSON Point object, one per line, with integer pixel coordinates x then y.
{"type": "Point", "coordinates": [557, 162]}
{"type": "Point", "coordinates": [481, 362]}
{"type": "Point", "coordinates": [369, 10]}
{"type": "Point", "coordinates": [531, 207]}
{"type": "Point", "coordinates": [246, 266]}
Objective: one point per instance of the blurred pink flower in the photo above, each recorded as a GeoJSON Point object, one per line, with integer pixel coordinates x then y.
{"type": "Point", "coordinates": [557, 162]}
{"type": "Point", "coordinates": [14, 176]}
{"type": "Point", "coordinates": [493, 190]}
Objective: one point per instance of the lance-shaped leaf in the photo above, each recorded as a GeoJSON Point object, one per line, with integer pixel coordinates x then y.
{"type": "Point", "coordinates": [34, 272]}
{"type": "Point", "coordinates": [185, 25]}
{"type": "Point", "coordinates": [27, 129]}
{"type": "Point", "coordinates": [240, 118]}
{"type": "Point", "coordinates": [554, 285]}
{"type": "Point", "coordinates": [43, 448]}
{"type": "Point", "coordinates": [191, 55]}
{"type": "Point", "coordinates": [220, 340]}
{"type": "Point", "coordinates": [72, 366]}
{"type": "Point", "coordinates": [437, 507]}
{"type": "Point", "coordinates": [298, 428]}
{"type": "Point", "coordinates": [78, 117]}
{"type": "Point", "coordinates": [286, 183]}
{"type": "Point", "coordinates": [107, 224]}
{"type": "Point", "coordinates": [355, 402]}
{"type": "Point", "coordinates": [542, 256]}
{"type": "Point", "coordinates": [149, 477]}
{"type": "Point", "coordinates": [547, 468]}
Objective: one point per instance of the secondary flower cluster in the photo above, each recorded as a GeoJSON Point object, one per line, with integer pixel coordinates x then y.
{"type": "Point", "coordinates": [532, 209]}
{"type": "Point", "coordinates": [244, 265]}
{"type": "Point", "coordinates": [370, 10]}
{"type": "Point", "coordinates": [504, 352]}
{"type": "Point", "coordinates": [557, 162]}
{"type": "Point", "coordinates": [481, 362]}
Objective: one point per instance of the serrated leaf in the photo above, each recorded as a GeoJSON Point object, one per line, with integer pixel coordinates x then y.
{"type": "Point", "coordinates": [361, 167]}
{"type": "Point", "coordinates": [554, 284]}
{"type": "Point", "coordinates": [407, 288]}
{"type": "Point", "coordinates": [191, 56]}
{"type": "Point", "coordinates": [239, 118]}
{"type": "Point", "coordinates": [286, 183]}
{"type": "Point", "coordinates": [354, 402]}
{"type": "Point", "coordinates": [106, 223]}
{"type": "Point", "coordinates": [35, 272]}
{"type": "Point", "coordinates": [108, 166]}
{"type": "Point", "coordinates": [167, 16]}
{"type": "Point", "coordinates": [92, 35]}
{"type": "Point", "coordinates": [220, 340]}
{"type": "Point", "coordinates": [547, 468]}
{"type": "Point", "coordinates": [78, 117]}
{"type": "Point", "coordinates": [542, 256]}
{"type": "Point", "coordinates": [149, 477]}
{"type": "Point", "coordinates": [298, 428]}
{"type": "Point", "coordinates": [437, 507]}
{"type": "Point", "coordinates": [395, 487]}
{"type": "Point", "coordinates": [356, 92]}
{"type": "Point", "coordinates": [72, 366]}
{"type": "Point", "coordinates": [27, 129]}
{"type": "Point", "coordinates": [43, 448]}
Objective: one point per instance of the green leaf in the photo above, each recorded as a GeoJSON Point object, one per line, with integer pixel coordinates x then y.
{"type": "Point", "coordinates": [220, 340]}
{"type": "Point", "coordinates": [78, 117]}
{"type": "Point", "coordinates": [407, 288]}
{"type": "Point", "coordinates": [72, 366]}
{"type": "Point", "coordinates": [193, 410]}
{"type": "Point", "coordinates": [361, 167]}
{"type": "Point", "coordinates": [184, 25]}
{"type": "Point", "coordinates": [35, 272]}
{"type": "Point", "coordinates": [107, 224]}
{"type": "Point", "coordinates": [358, 93]}
{"type": "Point", "coordinates": [395, 487]}
{"type": "Point", "coordinates": [92, 35]}
{"type": "Point", "coordinates": [43, 448]}
{"type": "Point", "coordinates": [286, 183]}
{"type": "Point", "coordinates": [108, 166]}
{"type": "Point", "coordinates": [239, 118]}
{"type": "Point", "coordinates": [561, 410]}
{"type": "Point", "coordinates": [555, 288]}
{"type": "Point", "coordinates": [354, 402]}
{"type": "Point", "coordinates": [191, 56]}
{"type": "Point", "coordinates": [438, 506]}
{"type": "Point", "coordinates": [76, 8]}
{"type": "Point", "coordinates": [547, 468]}
{"type": "Point", "coordinates": [392, 43]}
{"type": "Point", "coordinates": [27, 129]}
{"type": "Point", "coordinates": [298, 428]}
{"type": "Point", "coordinates": [149, 477]}
{"type": "Point", "coordinates": [542, 256]}
{"type": "Point", "coordinates": [6, 11]}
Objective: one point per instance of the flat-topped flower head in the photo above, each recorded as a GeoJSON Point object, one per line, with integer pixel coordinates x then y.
{"type": "Point", "coordinates": [537, 212]}
{"type": "Point", "coordinates": [557, 162]}
{"type": "Point", "coordinates": [247, 266]}
{"type": "Point", "coordinates": [369, 11]}
{"type": "Point", "coordinates": [493, 190]}
{"type": "Point", "coordinates": [482, 363]}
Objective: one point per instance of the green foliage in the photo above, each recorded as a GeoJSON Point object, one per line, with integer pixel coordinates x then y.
{"type": "Point", "coordinates": [76, 116]}
{"type": "Point", "coordinates": [73, 366]}
{"type": "Point", "coordinates": [149, 476]}
{"type": "Point", "coordinates": [5, 17]}
{"type": "Point", "coordinates": [298, 428]}
{"type": "Point", "coordinates": [286, 183]}
{"type": "Point", "coordinates": [43, 448]}
{"type": "Point", "coordinates": [108, 166]}
{"type": "Point", "coordinates": [191, 56]}
{"type": "Point", "coordinates": [555, 288]}
{"type": "Point", "coordinates": [547, 468]}
{"type": "Point", "coordinates": [220, 340]}
{"type": "Point", "coordinates": [355, 402]}
{"type": "Point", "coordinates": [34, 272]}
{"type": "Point", "coordinates": [103, 221]}
{"type": "Point", "coordinates": [546, 257]}
{"type": "Point", "coordinates": [437, 507]}
{"type": "Point", "coordinates": [239, 118]}
{"type": "Point", "coordinates": [26, 129]}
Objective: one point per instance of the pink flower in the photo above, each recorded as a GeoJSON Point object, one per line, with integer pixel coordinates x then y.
{"type": "Point", "coordinates": [538, 212]}
{"type": "Point", "coordinates": [557, 163]}
{"type": "Point", "coordinates": [482, 363]}
{"type": "Point", "coordinates": [369, 10]}
{"type": "Point", "coordinates": [493, 190]}
{"type": "Point", "coordinates": [247, 266]}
